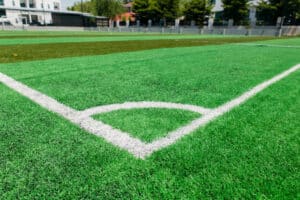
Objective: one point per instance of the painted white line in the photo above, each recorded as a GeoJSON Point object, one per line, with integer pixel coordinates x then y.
{"type": "Point", "coordinates": [123, 139]}
{"type": "Point", "coordinates": [37, 97]}
{"type": "Point", "coordinates": [219, 111]}
{"type": "Point", "coordinates": [116, 137]}
{"type": "Point", "coordinates": [143, 104]}
{"type": "Point", "coordinates": [267, 45]}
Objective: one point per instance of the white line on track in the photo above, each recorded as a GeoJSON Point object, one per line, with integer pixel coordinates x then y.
{"type": "Point", "coordinates": [267, 45]}
{"type": "Point", "coordinates": [123, 139]}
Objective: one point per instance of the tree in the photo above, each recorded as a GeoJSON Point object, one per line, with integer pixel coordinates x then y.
{"type": "Point", "coordinates": [146, 9]}
{"type": "Point", "coordinates": [108, 8]}
{"type": "Point", "coordinates": [270, 10]}
{"type": "Point", "coordinates": [156, 10]}
{"type": "Point", "coordinates": [169, 10]}
{"type": "Point", "coordinates": [86, 6]}
{"type": "Point", "coordinates": [197, 10]}
{"type": "Point", "coordinates": [236, 10]}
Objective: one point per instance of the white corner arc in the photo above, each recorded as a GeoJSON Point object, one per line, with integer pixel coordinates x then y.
{"type": "Point", "coordinates": [122, 139]}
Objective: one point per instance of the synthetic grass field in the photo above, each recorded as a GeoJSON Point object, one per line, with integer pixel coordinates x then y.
{"type": "Point", "coordinates": [250, 152]}
{"type": "Point", "coordinates": [91, 38]}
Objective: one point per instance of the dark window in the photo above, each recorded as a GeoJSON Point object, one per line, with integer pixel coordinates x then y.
{"type": "Point", "coordinates": [2, 13]}
{"type": "Point", "coordinates": [23, 3]}
{"type": "Point", "coordinates": [56, 5]}
{"type": "Point", "coordinates": [32, 4]}
{"type": "Point", "coordinates": [25, 19]}
{"type": "Point", "coordinates": [1, 2]}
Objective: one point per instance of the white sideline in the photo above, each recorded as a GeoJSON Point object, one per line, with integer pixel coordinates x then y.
{"type": "Point", "coordinates": [174, 136]}
{"type": "Point", "coordinates": [267, 45]}
{"type": "Point", "coordinates": [114, 136]}
{"type": "Point", "coordinates": [123, 139]}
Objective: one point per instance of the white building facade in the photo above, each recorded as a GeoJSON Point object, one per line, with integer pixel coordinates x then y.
{"type": "Point", "coordinates": [218, 7]}
{"type": "Point", "coordinates": [19, 12]}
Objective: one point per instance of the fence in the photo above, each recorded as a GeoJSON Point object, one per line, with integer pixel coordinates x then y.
{"type": "Point", "coordinates": [257, 31]}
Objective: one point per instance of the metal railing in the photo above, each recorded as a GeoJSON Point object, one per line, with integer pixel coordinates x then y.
{"type": "Point", "coordinates": [238, 31]}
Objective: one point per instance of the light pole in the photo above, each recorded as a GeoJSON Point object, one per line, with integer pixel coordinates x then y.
{"type": "Point", "coordinates": [282, 21]}
{"type": "Point", "coordinates": [44, 13]}
{"type": "Point", "coordinates": [81, 8]}
{"type": "Point", "coordinates": [2, 20]}
{"type": "Point", "coordinates": [281, 26]}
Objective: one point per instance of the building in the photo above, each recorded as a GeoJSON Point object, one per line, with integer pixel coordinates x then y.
{"type": "Point", "coordinates": [20, 12]}
{"type": "Point", "coordinates": [45, 12]}
{"type": "Point", "coordinates": [127, 17]}
{"type": "Point", "coordinates": [218, 9]}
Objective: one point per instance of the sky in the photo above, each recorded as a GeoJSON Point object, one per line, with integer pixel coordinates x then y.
{"type": "Point", "coordinates": [68, 3]}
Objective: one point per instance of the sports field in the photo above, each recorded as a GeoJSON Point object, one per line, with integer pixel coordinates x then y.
{"type": "Point", "coordinates": [131, 116]}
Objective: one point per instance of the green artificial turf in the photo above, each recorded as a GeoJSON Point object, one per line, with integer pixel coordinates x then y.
{"type": "Point", "coordinates": [34, 33]}
{"type": "Point", "coordinates": [147, 124]}
{"type": "Point", "coordinates": [205, 76]}
{"type": "Point", "coordinates": [17, 53]}
{"type": "Point", "coordinates": [286, 42]}
{"type": "Point", "coordinates": [70, 39]}
{"type": "Point", "coordinates": [83, 35]}
{"type": "Point", "coordinates": [251, 152]}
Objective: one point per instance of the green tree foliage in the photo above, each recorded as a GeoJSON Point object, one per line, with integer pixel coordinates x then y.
{"type": "Point", "coordinates": [169, 9]}
{"type": "Point", "coordinates": [269, 11]}
{"type": "Point", "coordinates": [197, 10]}
{"type": "Point", "coordinates": [86, 6]}
{"type": "Point", "coordinates": [166, 10]}
{"type": "Point", "coordinates": [108, 8]}
{"type": "Point", "coordinates": [236, 10]}
{"type": "Point", "coordinates": [147, 9]}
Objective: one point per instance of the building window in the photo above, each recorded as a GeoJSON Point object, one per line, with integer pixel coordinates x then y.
{"type": "Point", "coordinates": [25, 19]}
{"type": "Point", "coordinates": [1, 2]}
{"type": "Point", "coordinates": [13, 3]}
{"type": "Point", "coordinates": [48, 6]}
{"type": "Point", "coordinates": [42, 5]}
{"type": "Point", "coordinates": [2, 12]}
{"type": "Point", "coordinates": [23, 3]}
{"type": "Point", "coordinates": [56, 5]}
{"type": "Point", "coordinates": [32, 4]}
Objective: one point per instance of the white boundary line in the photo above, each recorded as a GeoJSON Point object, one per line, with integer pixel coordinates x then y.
{"type": "Point", "coordinates": [114, 136]}
{"type": "Point", "coordinates": [267, 45]}
{"type": "Point", "coordinates": [219, 111]}
{"type": "Point", "coordinates": [124, 140]}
